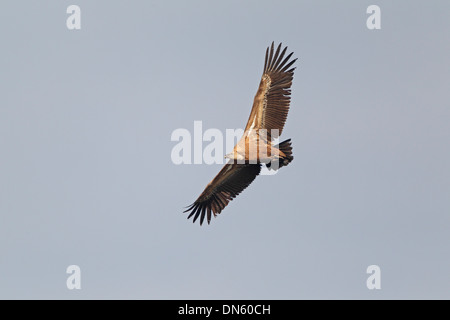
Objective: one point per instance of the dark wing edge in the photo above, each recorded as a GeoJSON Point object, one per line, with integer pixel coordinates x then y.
{"type": "Point", "coordinates": [278, 94]}
{"type": "Point", "coordinates": [227, 184]}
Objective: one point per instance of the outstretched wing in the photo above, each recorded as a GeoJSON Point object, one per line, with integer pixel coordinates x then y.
{"type": "Point", "coordinates": [227, 184]}
{"type": "Point", "coordinates": [271, 103]}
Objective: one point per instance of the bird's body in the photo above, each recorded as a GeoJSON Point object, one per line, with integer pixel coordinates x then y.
{"type": "Point", "coordinates": [266, 122]}
{"type": "Point", "coordinates": [254, 147]}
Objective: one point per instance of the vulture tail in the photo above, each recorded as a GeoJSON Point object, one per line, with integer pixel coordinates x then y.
{"type": "Point", "coordinates": [286, 148]}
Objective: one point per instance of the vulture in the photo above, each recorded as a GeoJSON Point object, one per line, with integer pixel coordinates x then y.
{"type": "Point", "coordinates": [256, 147]}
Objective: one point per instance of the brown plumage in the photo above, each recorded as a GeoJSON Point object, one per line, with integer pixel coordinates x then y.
{"type": "Point", "coordinates": [266, 122]}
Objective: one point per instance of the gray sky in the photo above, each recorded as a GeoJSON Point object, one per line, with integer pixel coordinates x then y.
{"type": "Point", "coordinates": [86, 176]}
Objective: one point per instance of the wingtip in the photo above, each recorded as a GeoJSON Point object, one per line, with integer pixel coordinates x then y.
{"type": "Point", "coordinates": [197, 210]}
{"type": "Point", "coordinates": [188, 208]}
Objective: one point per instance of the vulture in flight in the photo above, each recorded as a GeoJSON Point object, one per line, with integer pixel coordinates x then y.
{"type": "Point", "coordinates": [255, 148]}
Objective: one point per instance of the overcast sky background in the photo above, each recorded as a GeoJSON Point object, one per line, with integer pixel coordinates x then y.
{"type": "Point", "coordinates": [86, 176]}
